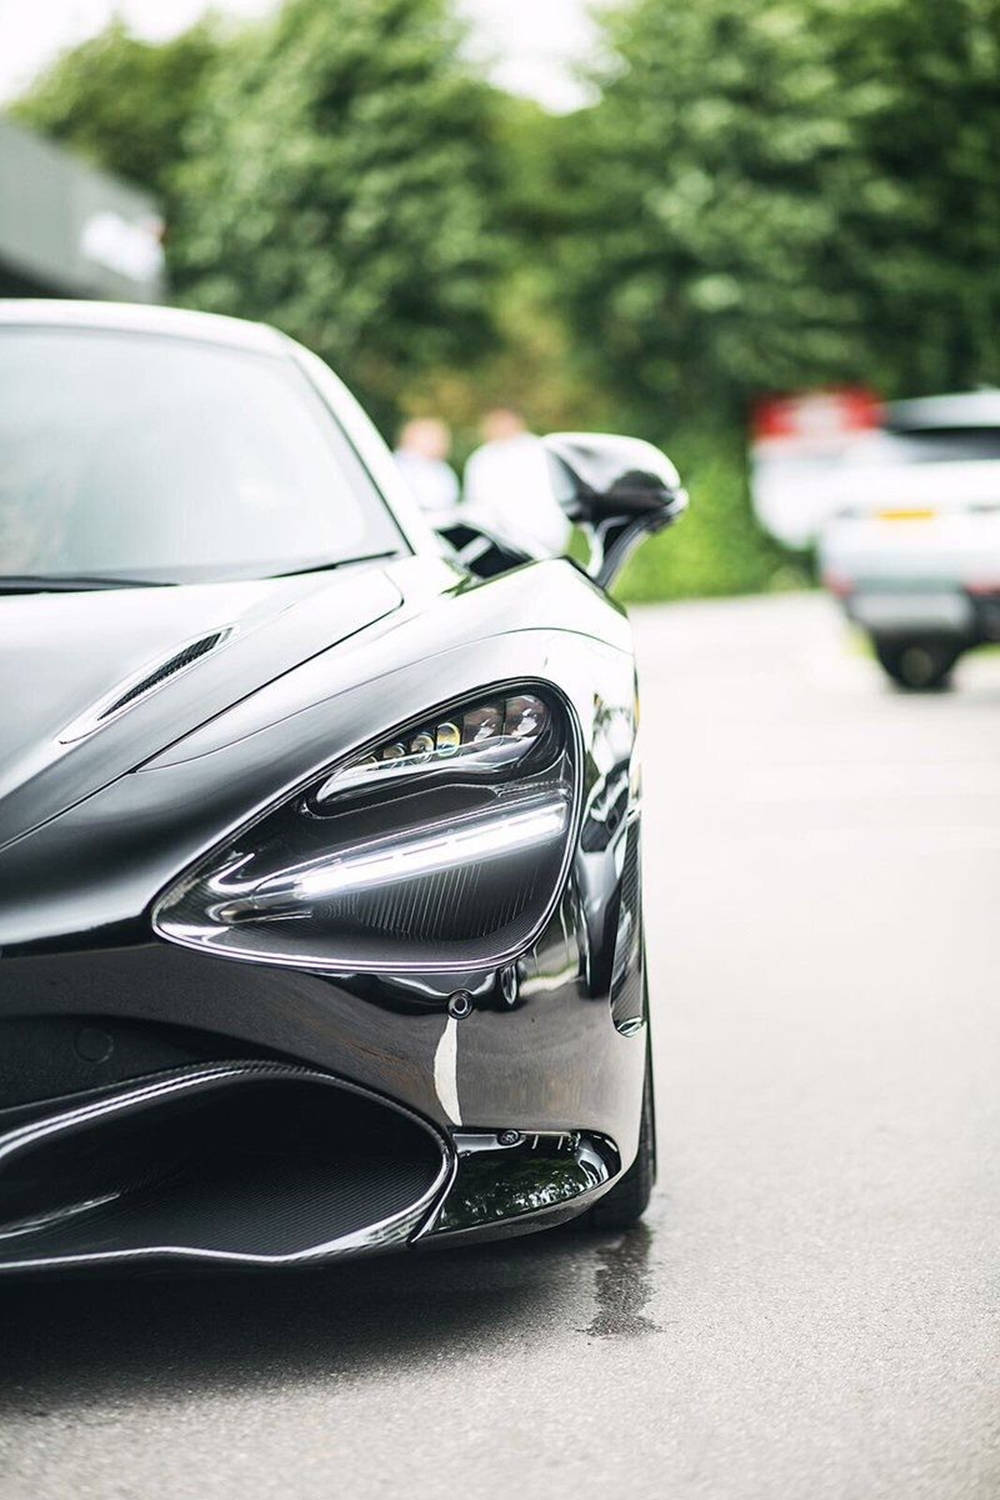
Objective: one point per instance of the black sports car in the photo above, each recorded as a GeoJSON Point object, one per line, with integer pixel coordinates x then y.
{"type": "Point", "coordinates": [320, 910]}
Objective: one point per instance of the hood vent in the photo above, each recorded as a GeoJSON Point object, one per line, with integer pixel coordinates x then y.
{"type": "Point", "coordinates": [160, 674]}
{"type": "Point", "coordinates": [143, 682]}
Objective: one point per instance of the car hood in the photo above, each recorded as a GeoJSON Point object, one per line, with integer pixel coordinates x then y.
{"type": "Point", "coordinates": [94, 683]}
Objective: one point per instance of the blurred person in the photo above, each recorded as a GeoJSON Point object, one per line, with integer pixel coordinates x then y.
{"type": "Point", "coordinates": [508, 486]}
{"type": "Point", "coordinates": [421, 456]}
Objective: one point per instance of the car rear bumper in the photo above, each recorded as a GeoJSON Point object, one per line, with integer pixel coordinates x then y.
{"type": "Point", "coordinates": [923, 610]}
{"type": "Point", "coordinates": [935, 575]}
{"type": "Point", "coordinates": [938, 611]}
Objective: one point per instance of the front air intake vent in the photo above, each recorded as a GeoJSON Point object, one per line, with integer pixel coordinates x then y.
{"type": "Point", "coordinates": [246, 1163]}
{"type": "Point", "coordinates": [143, 682]}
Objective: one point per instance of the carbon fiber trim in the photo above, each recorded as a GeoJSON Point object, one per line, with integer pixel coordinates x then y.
{"type": "Point", "coordinates": [626, 984]}
{"type": "Point", "coordinates": [352, 1173]}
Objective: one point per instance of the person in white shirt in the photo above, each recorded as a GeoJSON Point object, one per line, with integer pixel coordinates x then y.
{"type": "Point", "coordinates": [422, 458]}
{"type": "Point", "coordinates": [508, 487]}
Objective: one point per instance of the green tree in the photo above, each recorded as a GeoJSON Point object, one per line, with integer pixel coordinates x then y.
{"type": "Point", "coordinates": [122, 102]}
{"type": "Point", "coordinates": [692, 273]}
{"type": "Point", "coordinates": [776, 196]}
{"type": "Point", "coordinates": [338, 185]}
{"type": "Point", "coordinates": [789, 193]}
{"type": "Point", "coordinates": [918, 191]}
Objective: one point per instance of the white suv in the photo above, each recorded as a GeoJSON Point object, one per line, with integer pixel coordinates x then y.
{"type": "Point", "coordinates": [913, 544]}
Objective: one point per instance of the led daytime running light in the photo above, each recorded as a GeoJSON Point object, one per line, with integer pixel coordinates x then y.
{"type": "Point", "coordinates": [506, 831]}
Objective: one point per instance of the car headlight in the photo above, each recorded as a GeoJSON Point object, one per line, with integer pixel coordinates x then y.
{"type": "Point", "coordinates": [443, 846]}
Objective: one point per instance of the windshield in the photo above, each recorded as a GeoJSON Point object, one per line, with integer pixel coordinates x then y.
{"type": "Point", "coordinates": [168, 460]}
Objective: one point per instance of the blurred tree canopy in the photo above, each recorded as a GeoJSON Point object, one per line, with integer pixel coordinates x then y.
{"type": "Point", "coordinates": [124, 103]}
{"type": "Point", "coordinates": [338, 182]}
{"type": "Point", "coordinates": [918, 227]}
{"type": "Point", "coordinates": [765, 196]}
{"type": "Point", "coordinates": [789, 193]}
{"type": "Point", "coordinates": [332, 170]}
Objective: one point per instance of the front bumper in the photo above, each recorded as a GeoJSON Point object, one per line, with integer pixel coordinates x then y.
{"type": "Point", "coordinates": [260, 1164]}
{"type": "Point", "coordinates": [167, 1107]}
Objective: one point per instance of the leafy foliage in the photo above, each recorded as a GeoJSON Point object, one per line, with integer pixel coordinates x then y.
{"type": "Point", "coordinates": [918, 195]}
{"type": "Point", "coordinates": [338, 185]}
{"type": "Point", "coordinates": [790, 193]}
{"type": "Point", "coordinates": [125, 103]}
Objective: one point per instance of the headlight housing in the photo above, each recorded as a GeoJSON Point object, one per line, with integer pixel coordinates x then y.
{"type": "Point", "coordinates": [441, 846]}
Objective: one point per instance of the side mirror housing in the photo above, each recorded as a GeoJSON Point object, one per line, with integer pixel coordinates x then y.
{"type": "Point", "coordinates": [619, 489]}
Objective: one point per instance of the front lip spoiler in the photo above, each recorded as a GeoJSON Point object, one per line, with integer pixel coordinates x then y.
{"type": "Point", "coordinates": [182, 1086]}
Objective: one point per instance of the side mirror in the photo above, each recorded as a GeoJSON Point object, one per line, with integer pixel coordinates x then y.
{"type": "Point", "coordinates": [618, 489]}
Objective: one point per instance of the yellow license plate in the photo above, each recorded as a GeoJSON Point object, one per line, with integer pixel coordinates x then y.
{"type": "Point", "coordinates": [914, 514]}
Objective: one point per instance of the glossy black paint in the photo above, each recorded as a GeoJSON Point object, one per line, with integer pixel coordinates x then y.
{"type": "Point", "coordinates": [92, 832]}
{"type": "Point", "coordinates": [618, 489]}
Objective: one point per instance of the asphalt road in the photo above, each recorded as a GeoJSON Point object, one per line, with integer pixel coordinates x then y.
{"type": "Point", "coordinates": [812, 1307]}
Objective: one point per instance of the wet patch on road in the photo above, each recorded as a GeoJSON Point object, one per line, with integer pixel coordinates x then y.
{"type": "Point", "coordinates": [623, 1286]}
